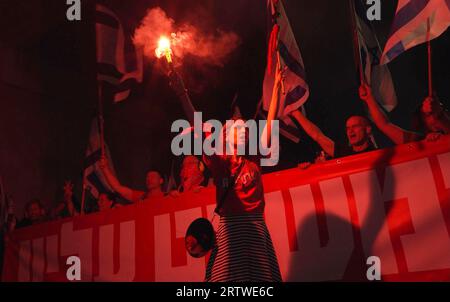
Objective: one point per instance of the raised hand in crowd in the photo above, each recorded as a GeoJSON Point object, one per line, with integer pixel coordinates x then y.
{"type": "Point", "coordinates": [68, 198]}
{"type": "Point", "coordinates": [126, 193]}
{"type": "Point", "coordinates": [433, 117]}
{"type": "Point", "coordinates": [153, 183]}
{"type": "Point", "coordinates": [66, 208]}
{"type": "Point", "coordinates": [431, 106]}
{"type": "Point", "coordinates": [326, 143]}
{"type": "Point", "coordinates": [395, 133]}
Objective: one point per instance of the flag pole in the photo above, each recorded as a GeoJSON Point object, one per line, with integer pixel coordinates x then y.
{"type": "Point", "coordinates": [102, 139]}
{"type": "Point", "coordinates": [356, 49]}
{"type": "Point", "coordinates": [100, 122]}
{"type": "Point", "coordinates": [430, 66]}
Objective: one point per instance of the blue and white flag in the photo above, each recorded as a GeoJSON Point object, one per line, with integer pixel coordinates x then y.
{"type": "Point", "coordinates": [118, 61]}
{"type": "Point", "coordinates": [416, 22]}
{"type": "Point", "coordinates": [295, 90]}
{"type": "Point", "coordinates": [95, 181]}
{"type": "Point", "coordinates": [376, 75]}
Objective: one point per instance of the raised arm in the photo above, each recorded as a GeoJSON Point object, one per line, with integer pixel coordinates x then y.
{"type": "Point", "coordinates": [176, 82]}
{"type": "Point", "coordinates": [326, 143]}
{"type": "Point", "coordinates": [126, 193]}
{"type": "Point", "coordinates": [394, 132]}
{"type": "Point", "coordinates": [434, 110]}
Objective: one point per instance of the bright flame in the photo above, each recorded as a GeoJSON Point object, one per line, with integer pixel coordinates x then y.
{"type": "Point", "coordinates": [164, 49]}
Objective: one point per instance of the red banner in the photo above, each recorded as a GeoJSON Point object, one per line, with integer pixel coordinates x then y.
{"type": "Point", "coordinates": [325, 223]}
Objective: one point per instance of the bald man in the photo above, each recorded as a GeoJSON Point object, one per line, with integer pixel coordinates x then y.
{"type": "Point", "coordinates": [358, 130]}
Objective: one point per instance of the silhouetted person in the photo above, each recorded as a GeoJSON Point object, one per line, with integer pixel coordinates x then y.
{"type": "Point", "coordinates": [106, 202]}
{"type": "Point", "coordinates": [34, 214]}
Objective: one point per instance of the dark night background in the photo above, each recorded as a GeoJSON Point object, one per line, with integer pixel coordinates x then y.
{"type": "Point", "coordinates": [48, 85]}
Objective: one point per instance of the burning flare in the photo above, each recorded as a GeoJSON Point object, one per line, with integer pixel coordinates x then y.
{"type": "Point", "coordinates": [164, 49]}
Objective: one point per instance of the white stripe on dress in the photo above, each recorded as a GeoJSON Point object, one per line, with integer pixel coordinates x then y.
{"type": "Point", "coordinates": [243, 251]}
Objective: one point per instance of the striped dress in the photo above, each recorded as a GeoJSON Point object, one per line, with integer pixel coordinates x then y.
{"type": "Point", "coordinates": [243, 251]}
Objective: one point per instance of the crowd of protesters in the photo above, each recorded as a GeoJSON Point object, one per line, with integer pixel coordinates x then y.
{"type": "Point", "coordinates": [193, 177]}
{"type": "Point", "coordinates": [431, 121]}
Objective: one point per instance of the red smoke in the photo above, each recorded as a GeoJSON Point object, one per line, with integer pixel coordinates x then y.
{"type": "Point", "coordinates": [186, 39]}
